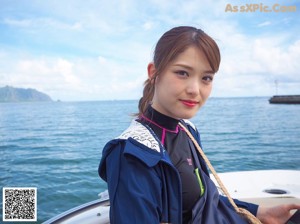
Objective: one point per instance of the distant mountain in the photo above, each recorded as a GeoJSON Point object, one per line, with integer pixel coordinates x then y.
{"type": "Point", "coordinates": [11, 94]}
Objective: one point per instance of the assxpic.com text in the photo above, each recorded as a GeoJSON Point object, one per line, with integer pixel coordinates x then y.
{"type": "Point", "coordinates": [260, 7]}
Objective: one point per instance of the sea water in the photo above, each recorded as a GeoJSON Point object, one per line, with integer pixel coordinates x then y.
{"type": "Point", "coordinates": [56, 146]}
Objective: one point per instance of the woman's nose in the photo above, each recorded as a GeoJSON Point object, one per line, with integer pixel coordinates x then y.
{"type": "Point", "coordinates": [193, 87]}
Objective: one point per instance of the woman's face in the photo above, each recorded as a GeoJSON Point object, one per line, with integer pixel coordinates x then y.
{"type": "Point", "coordinates": [184, 86]}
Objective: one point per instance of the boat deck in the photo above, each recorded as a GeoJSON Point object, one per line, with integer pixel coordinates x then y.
{"type": "Point", "coordinates": [265, 187]}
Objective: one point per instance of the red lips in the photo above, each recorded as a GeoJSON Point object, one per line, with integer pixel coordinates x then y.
{"type": "Point", "coordinates": [189, 103]}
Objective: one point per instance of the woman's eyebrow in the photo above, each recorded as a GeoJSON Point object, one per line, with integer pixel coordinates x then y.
{"type": "Point", "coordinates": [184, 65]}
{"type": "Point", "coordinates": [191, 68]}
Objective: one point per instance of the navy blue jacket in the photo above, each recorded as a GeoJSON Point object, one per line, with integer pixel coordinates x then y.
{"type": "Point", "coordinates": [145, 187]}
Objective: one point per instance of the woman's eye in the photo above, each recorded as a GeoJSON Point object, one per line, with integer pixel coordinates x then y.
{"type": "Point", "coordinates": [182, 73]}
{"type": "Point", "coordinates": [208, 78]}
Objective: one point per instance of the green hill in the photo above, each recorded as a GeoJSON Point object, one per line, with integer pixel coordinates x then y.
{"type": "Point", "coordinates": [11, 94]}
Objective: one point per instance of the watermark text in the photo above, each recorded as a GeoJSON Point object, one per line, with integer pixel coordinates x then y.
{"type": "Point", "coordinates": [260, 7]}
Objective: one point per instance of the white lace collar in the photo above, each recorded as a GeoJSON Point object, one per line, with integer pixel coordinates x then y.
{"type": "Point", "coordinates": [140, 133]}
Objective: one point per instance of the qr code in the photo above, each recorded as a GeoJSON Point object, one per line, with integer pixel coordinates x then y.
{"type": "Point", "coordinates": [19, 204]}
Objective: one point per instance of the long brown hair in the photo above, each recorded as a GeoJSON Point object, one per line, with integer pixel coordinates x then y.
{"type": "Point", "coordinates": [169, 46]}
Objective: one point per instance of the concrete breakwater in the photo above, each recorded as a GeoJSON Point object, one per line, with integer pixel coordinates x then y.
{"type": "Point", "coordinates": [285, 99]}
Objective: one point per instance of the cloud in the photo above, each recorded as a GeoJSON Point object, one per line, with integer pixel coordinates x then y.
{"type": "Point", "coordinates": [266, 23]}
{"type": "Point", "coordinates": [41, 23]}
{"type": "Point", "coordinates": [19, 23]}
{"type": "Point", "coordinates": [251, 63]}
{"type": "Point", "coordinates": [148, 25]}
{"type": "Point", "coordinates": [75, 79]}
{"type": "Point", "coordinates": [278, 60]}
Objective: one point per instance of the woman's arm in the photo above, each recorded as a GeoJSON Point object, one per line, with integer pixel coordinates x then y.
{"type": "Point", "coordinates": [134, 189]}
{"type": "Point", "coordinates": [276, 215]}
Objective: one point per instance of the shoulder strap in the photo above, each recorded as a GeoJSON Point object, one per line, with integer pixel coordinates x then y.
{"type": "Point", "coordinates": [245, 213]}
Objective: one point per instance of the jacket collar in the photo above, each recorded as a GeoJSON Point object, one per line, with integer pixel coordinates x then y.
{"type": "Point", "coordinates": [141, 134]}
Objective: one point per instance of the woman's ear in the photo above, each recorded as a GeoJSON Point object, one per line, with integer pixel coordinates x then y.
{"type": "Point", "coordinates": [151, 71]}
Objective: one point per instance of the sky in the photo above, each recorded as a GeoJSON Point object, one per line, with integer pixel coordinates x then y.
{"type": "Point", "coordinates": [76, 50]}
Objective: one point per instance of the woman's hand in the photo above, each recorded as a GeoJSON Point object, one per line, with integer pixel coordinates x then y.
{"type": "Point", "coordinates": [276, 215]}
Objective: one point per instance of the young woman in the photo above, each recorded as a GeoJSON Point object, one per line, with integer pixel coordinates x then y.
{"type": "Point", "coordinates": [153, 169]}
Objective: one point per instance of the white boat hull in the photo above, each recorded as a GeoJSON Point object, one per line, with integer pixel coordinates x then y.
{"type": "Point", "coordinates": [263, 187]}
